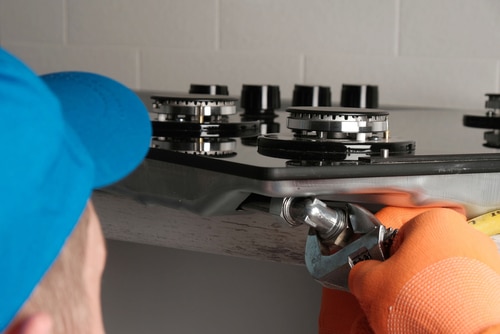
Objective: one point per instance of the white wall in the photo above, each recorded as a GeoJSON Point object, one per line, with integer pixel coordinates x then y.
{"type": "Point", "coordinates": [423, 52]}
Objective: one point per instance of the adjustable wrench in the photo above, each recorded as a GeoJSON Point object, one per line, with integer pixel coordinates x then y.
{"type": "Point", "coordinates": [340, 235]}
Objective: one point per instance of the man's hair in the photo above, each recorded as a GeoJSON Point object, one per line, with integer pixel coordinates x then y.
{"type": "Point", "coordinates": [61, 292]}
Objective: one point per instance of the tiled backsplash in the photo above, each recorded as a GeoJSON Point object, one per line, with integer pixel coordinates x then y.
{"type": "Point", "coordinates": [419, 52]}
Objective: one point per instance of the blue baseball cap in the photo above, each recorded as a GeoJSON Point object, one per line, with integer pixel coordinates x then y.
{"type": "Point", "coordinates": [62, 135]}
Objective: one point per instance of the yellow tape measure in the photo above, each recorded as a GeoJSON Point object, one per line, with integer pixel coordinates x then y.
{"type": "Point", "coordinates": [488, 223]}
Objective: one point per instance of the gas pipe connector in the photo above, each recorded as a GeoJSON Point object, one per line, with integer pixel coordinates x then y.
{"type": "Point", "coordinates": [340, 236]}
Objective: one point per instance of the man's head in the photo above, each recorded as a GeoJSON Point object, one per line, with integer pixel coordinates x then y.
{"type": "Point", "coordinates": [61, 136]}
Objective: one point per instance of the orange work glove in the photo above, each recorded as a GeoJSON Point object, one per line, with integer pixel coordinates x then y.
{"type": "Point", "coordinates": [443, 277]}
{"type": "Point", "coordinates": [340, 311]}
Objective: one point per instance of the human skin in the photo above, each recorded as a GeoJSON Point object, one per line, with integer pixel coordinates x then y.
{"type": "Point", "coordinates": [95, 260]}
{"type": "Point", "coordinates": [40, 321]}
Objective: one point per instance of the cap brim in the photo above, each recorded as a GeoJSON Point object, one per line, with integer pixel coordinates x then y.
{"type": "Point", "coordinates": [110, 120]}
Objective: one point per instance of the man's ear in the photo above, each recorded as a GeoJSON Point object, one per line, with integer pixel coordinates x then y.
{"type": "Point", "coordinates": [36, 323]}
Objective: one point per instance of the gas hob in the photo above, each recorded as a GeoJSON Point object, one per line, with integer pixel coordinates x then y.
{"type": "Point", "coordinates": [218, 155]}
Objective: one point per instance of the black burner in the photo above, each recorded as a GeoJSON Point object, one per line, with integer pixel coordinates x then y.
{"type": "Point", "coordinates": [334, 134]}
{"type": "Point", "coordinates": [489, 121]}
{"type": "Point", "coordinates": [198, 124]}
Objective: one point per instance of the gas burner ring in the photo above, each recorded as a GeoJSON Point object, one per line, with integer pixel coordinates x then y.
{"type": "Point", "coordinates": [182, 110]}
{"type": "Point", "coordinates": [213, 147]}
{"type": "Point", "coordinates": [192, 106]}
{"type": "Point", "coordinates": [197, 117]}
{"type": "Point", "coordinates": [336, 122]}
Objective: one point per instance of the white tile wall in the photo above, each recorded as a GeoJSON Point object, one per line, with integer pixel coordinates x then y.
{"type": "Point", "coordinates": [32, 21]}
{"type": "Point", "coordinates": [459, 83]}
{"type": "Point", "coordinates": [426, 52]}
{"type": "Point", "coordinates": [450, 28]}
{"type": "Point", "coordinates": [119, 63]}
{"type": "Point", "coordinates": [175, 70]}
{"type": "Point", "coordinates": [341, 27]}
{"type": "Point", "coordinates": [172, 24]}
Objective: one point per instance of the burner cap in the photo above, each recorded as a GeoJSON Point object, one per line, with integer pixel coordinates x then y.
{"type": "Point", "coordinates": [482, 122]}
{"type": "Point", "coordinates": [492, 118]}
{"type": "Point", "coordinates": [297, 148]}
{"type": "Point", "coordinates": [214, 147]}
{"type": "Point", "coordinates": [198, 130]}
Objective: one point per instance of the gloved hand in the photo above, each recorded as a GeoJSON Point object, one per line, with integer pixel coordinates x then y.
{"type": "Point", "coordinates": [340, 311]}
{"type": "Point", "coordinates": [443, 277]}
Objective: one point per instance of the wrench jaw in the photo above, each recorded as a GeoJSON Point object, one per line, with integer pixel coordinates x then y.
{"type": "Point", "coordinates": [332, 270]}
{"type": "Point", "coordinates": [340, 235]}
